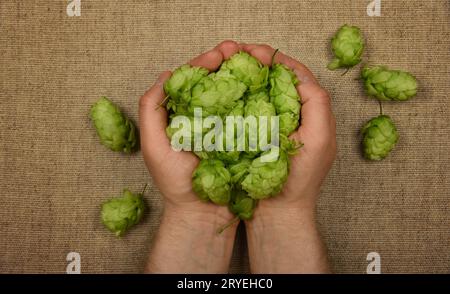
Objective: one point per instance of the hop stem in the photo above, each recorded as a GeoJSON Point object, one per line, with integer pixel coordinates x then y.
{"type": "Point", "coordinates": [273, 57]}
{"type": "Point", "coordinates": [143, 190]}
{"type": "Point", "coordinates": [381, 107]}
{"type": "Point", "coordinates": [229, 224]}
{"type": "Point", "coordinates": [346, 71]}
{"type": "Point", "coordinates": [162, 103]}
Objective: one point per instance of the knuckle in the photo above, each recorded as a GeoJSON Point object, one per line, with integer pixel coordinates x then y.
{"type": "Point", "coordinates": [267, 47]}
{"type": "Point", "coordinates": [144, 101]}
{"type": "Point", "coordinates": [228, 45]}
{"type": "Point", "coordinates": [322, 95]}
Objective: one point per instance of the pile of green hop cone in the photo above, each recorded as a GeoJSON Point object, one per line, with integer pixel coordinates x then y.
{"type": "Point", "coordinates": [379, 134]}
{"type": "Point", "coordinates": [244, 87]}
{"type": "Point", "coordinates": [241, 87]}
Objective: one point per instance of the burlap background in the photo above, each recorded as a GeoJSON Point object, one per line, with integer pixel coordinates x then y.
{"type": "Point", "coordinates": [54, 173]}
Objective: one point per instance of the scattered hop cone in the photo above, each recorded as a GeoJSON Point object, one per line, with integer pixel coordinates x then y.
{"type": "Point", "coordinates": [247, 69]}
{"type": "Point", "coordinates": [216, 94]}
{"type": "Point", "coordinates": [347, 46]}
{"type": "Point", "coordinates": [120, 214]}
{"type": "Point", "coordinates": [211, 181]}
{"type": "Point", "coordinates": [241, 205]}
{"type": "Point", "coordinates": [385, 84]}
{"type": "Point", "coordinates": [115, 130]}
{"type": "Point", "coordinates": [179, 86]}
{"type": "Point", "coordinates": [380, 137]}
{"type": "Point", "coordinates": [266, 179]}
{"type": "Point", "coordinates": [227, 157]}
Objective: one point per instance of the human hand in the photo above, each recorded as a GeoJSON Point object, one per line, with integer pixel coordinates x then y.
{"type": "Point", "coordinates": [283, 229]}
{"type": "Point", "coordinates": [187, 240]}
{"type": "Point", "coordinates": [317, 132]}
{"type": "Point", "coordinates": [172, 170]}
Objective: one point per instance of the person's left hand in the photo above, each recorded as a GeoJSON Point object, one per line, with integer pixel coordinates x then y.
{"type": "Point", "coordinates": [171, 170]}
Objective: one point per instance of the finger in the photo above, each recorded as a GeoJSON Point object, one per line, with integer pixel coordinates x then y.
{"type": "Point", "coordinates": [228, 48]}
{"type": "Point", "coordinates": [153, 118]}
{"type": "Point", "coordinates": [316, 113]}
{"type": "Point", "coordinates": [211, 60]}
{"type": "Point", "coordinates": [263, 53]}
{"type": "Point", "coordinates": [304, 75]}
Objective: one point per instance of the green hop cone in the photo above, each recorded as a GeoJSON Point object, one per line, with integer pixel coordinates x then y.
{"type": "Point", "coordinates": [283, 92]}
{"type": "Point", "coordinates": [288, 123]}
{"type": "Point", "coordinates": [120, 214]}
{"type": "Point", "coordinates": [238, 109]}
{"type": "Point", "coordinates": [290, 146]}
{"type": "Point", "coordinates": [171, 130]}
{"type": "Point", "coordinates": [216, 94]}
{"type": "Point", "coordinates": [347, 46]}
{"type": "Point", "coordinates": [380, 136]}
{"type": "Point", "coordinates": [239, 170]}
{"type": "Point", "coordinates": [212, 181]}
{"type": "Point", "coordinates": [248, 70]}
{"type": "Point", "coordinates": [258, 109]}
{"type": "Point", "coordinates": [241, 205]}
{"type": "Point", "coordinates": [266, 179]}
{"type": "Point", "coordinates": [285, 98]}
{"type": "Point", "coordinates": [115, 130]}
{"type": "Point", "coordinates": [386, 84]}
{"type": "Point", "coordinates": [261, 95]}
{"type": "Point", "coordinates": [178, 86]}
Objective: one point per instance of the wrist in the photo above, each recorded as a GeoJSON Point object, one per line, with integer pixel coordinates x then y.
{"type": "Point", "coordinates": [198, 216]}
{"type": "Point", "coordinates": [188, 242]}
{"type": "Point", "coordinates": [270, 215]}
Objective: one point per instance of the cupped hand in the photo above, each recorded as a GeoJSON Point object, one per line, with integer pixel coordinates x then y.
{"type": "Point", "coordinates": [171, 170]}
{"type": "Point", "coordinates": [317, 132]}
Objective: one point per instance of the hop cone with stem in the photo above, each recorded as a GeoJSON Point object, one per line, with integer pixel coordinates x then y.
{"type": "Point", "coordinates": [347, 46]}
{"type": "Point", "coordinates": [380, 136]}
{"type": "Point", "coordinates": [115, 130]}
{"type": "Point", "coordinates": [248, 70]}
{"type": "Point", "coordinates": [241, 205]}
{"type": "Point", "coordinates": [178, 87]}
{"type": "Point", "coordinates": [120, 214]}
{"type": "Point", "coordinates": [212, 181]}
{"type": "Point", "coordinates": [386, 84]}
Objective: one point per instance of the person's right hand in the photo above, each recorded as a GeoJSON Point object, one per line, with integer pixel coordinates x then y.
{"type": "Point", "coordinates": [282, 236]}
{"type": "Point", "coordinates": [317, 132]}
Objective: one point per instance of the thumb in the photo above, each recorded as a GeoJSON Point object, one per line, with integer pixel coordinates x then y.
{"type": "Point", "coordinates": [153, 120]}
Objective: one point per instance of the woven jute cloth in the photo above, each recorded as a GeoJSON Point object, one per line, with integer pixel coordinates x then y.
{"type": "Point", "coordinates": [54, 174]}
